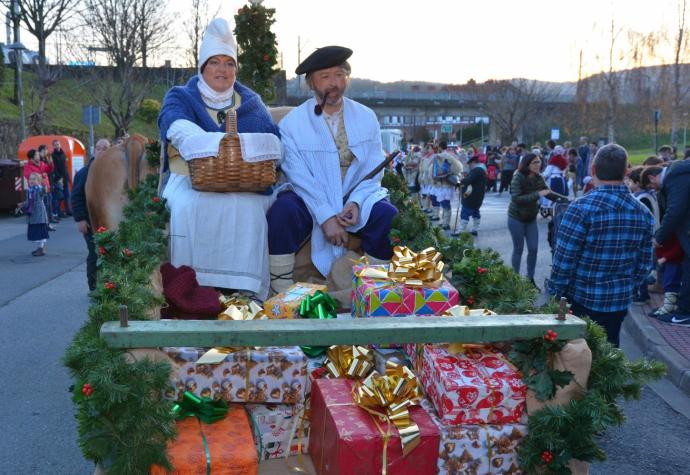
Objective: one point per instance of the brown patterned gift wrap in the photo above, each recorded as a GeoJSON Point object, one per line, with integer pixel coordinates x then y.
{"type": "Point", "coordinates": [265, 375]}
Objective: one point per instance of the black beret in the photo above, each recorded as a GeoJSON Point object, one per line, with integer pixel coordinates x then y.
{"type": "Point", "coordinates": [324, 58]}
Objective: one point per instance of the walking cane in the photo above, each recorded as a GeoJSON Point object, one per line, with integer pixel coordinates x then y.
{"type": "Point", "coordinates": [455, 225]}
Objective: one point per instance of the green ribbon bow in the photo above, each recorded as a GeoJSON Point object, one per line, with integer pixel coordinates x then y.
{"type": "Point", "coordinates": [321, 306]}
{"type": "Point", "coordinates": [205, 409]}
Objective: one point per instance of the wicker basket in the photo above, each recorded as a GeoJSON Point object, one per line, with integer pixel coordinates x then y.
{"type": "Point", "coordinates": [228, 171]}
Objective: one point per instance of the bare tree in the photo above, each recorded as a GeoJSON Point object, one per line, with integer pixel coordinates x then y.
{"type": "Point", "coordinates": [194, 28]}
{"type": "Point", "coordinates": [41, 18]}
{"type": "Point", "coordinates": [681, 84]}
{"type": "Point", "coordinates": [513, 104]}
{"type": "Point", "coordinates": [127, 36]}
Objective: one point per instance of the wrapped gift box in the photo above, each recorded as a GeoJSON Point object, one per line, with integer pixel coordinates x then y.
{"type": "Point", "coordinates": [231, 449]}
{"type": "Point", "coordinates": [279, 429]}
{"type": "Point", "coordinates": [475, 386]}
{"type": "Point", "coordinates": [286, 304]}
{"type": "Point", "coordinates": [344, 438]}
{"type": "Point", "coordinates": [386, 298]}
{"type": "Point", "coordinates": [478, 448]}
{"type": "Point", "coordinates": [265, 375]}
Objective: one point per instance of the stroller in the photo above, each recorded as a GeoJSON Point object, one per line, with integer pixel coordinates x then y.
{"type": "Point", "coordinates": [557, 211]}
{"type": "Point", "coordinates": [558, 184]}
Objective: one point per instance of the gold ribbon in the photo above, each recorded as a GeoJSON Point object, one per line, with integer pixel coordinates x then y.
{"type": "Point", "coordinates": [388, 398]}
{"type": "Point", "coordinates": [238, 307]}
{"type": "Point", "coordinates": [407, 267]}
{"type": "Point", "coordinates": [352, 362]}
{"type": "Point", "coordinates": [300, 467]}
{"type": "Point", "coordinates": [416, 269]}
{"type": "Point", "coordinates": [465, 311]}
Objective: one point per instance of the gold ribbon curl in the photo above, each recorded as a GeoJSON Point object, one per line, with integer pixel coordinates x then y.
{"type": "Point", "coordinates": [238, 308]}
{"type": "Point", "coordinates": [388, 398]}
{"type": "Point", "coordinates": [424, 268]}
{"type": "Point", "coordinates": [352, 362]}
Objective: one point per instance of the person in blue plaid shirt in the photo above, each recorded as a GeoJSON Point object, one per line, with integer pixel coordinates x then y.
{"type": "Point", "coordinates": [603, 246]}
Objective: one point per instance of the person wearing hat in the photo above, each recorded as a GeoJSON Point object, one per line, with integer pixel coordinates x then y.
{"type": "Point", "coordinates": [222, 236]}
{"type": "Point", "coordinates": [331, 146]}
{"type": "Point", "coordinates": [473, 188]}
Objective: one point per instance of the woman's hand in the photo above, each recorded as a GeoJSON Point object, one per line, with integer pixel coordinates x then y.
{"type": "Point", "coordinates": [544, 192]}
{"type": "Point", "coordinates": [334, 232]}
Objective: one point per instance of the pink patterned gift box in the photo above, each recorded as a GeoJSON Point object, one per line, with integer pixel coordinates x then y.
{"type": "Point", "coordinates": [475, 386]}
{"type": "Point", "coordinates": [386, 298]}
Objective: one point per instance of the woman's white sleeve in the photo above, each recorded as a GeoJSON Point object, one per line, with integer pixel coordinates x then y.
{"type": "Point", "coordinates": [192, 141]}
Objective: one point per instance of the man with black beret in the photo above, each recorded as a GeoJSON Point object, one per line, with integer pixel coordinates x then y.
{"type": "Point", "coordinates": [331, 145]}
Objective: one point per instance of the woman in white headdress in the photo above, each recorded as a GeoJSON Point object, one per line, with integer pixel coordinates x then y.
{"type": "Point", "coordinates": [222, 236]}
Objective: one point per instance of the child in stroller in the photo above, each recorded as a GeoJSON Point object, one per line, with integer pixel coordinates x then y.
{"type": "Point", "coordinates": [555, 176]}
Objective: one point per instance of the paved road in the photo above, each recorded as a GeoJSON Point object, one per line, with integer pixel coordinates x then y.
{"type": "Point", "coordinates": [43, 302]}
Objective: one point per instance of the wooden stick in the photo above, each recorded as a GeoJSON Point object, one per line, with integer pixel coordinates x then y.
{"type": "Point", "coordinates": [562, 308]}
{"type": "Point", "coordinates": [124, 316]}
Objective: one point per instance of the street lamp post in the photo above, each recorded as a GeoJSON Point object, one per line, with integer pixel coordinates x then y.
{"type": "Point", "coordinates": [685, 131]}
{"type": "Point", "coordinates": [17, 47]}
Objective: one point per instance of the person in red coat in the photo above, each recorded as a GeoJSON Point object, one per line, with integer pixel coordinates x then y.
{"type": "Point", "coordinates": [43, 168]}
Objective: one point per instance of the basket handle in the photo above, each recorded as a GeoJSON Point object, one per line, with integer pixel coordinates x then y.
{"type": "Point", "coordinates": [231, 123]}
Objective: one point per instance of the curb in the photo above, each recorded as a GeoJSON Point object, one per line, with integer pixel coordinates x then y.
{"type": "Point", "coordinates": [654, 345]}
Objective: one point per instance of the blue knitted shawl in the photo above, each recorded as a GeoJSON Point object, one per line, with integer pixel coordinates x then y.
{"type": "Point", "coordinates": [184, 102]}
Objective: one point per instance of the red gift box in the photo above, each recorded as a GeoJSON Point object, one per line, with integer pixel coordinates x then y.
{"type": "Point", "coordinates": [476, 386]}
{"type": "Point", "coordinates": [344, 438]}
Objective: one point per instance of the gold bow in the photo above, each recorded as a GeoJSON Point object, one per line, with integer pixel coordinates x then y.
{"type": "Point", "coordinates": [393, 393]}
{"type": "Point", "coordinates": [416, 269]}
{"type": "Point", "coordinates": [352, 362]}
{"type": "Point", "coordinates": [465, 311]}
{"type": "Point", "coordinates": [238, 307]}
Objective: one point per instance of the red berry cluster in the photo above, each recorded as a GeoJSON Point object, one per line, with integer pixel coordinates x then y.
{"type": "Point", "coordinates": [109, 285]}
{"type": "Point", "coordinates": [550, 335]}
{"type": "Point", "coordinates": [101, 250]}
{"type": "Point", "coordinates": [127, 252]}
{"type": "Point", "coordinates": [482, 270]}
{"type": "Point", "coordinates": [470, 300]}
{"type": "Point", "coordinates": [101, 229]}
{"type": "Point", "coordinates": [155, 199]}
{"type": "Point", "coordinates": [87, 389]}
{"type": "Point", "coordinates": [266, 57]}
{"type": "Point", "coordinates": [547, 456]}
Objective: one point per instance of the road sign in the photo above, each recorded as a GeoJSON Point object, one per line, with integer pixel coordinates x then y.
{"type": "Point", "coordinates": [91, 115]}
{"type": "Point", "coordinates": [447, 128]}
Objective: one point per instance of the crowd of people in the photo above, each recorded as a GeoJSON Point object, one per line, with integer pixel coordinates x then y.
{"type": "Point", "coordinates": [592, 256]}
{"type": "Point", "coordinates": [48, 193]}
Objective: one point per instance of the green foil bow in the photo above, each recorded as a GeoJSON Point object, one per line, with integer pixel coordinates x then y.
{"type": "Point", "coordinates": [205, 409]}
{"type": "Point", "coordinates": [320, 306]}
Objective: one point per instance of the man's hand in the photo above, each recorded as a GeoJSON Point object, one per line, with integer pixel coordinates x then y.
{"type": "Point", "coordinates": [334, 232]}
{"type": "Point", "coordinates": [656, 244]}
{"type": "Point", "coordinates": [83, 226]}
{"type": "Point", "coordinates": [544, 192]}
{"type": "Point", "coordinates": [349, 216]}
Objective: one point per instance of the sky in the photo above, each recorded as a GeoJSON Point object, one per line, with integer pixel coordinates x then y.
{"type": "Point", "coordinates": [451, 41]}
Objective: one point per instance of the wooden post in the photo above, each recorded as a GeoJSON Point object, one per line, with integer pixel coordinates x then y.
{"type": "Point", "coordinates": [124, 316]}
{"type": "Point", "coordinates": [562, 308]}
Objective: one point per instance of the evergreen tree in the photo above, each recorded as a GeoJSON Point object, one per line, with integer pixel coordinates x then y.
{"type": "Point", "coordinates": [257, 48]}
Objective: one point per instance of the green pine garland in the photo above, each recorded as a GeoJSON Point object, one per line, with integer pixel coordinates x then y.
{"type": "Point", "coordinates": [258, 54]}
{"type": "Point", "coordinates": [120, 425]}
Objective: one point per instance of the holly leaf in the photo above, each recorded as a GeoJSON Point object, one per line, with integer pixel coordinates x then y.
{"type": "Point", "coordinates": [560, 378]}
{"type": "Point", "coordinates": [542, 385]}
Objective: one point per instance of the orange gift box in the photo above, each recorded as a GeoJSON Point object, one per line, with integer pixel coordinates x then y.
{"type": "Point", "coordinates": [231, 449]}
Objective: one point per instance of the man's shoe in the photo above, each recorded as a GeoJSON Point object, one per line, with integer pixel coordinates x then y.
{"type": "Point", "coordinates": [51, 228]}
{"type": "Point", "coordinates": [675, 318]}
{"type": "Point", "coordinates": [531, 281]}
{"type": "Point", "coordinates": [38, 252]}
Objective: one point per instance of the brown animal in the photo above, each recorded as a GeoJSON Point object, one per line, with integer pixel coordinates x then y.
{"type": "Point", "coordinates": [118, 169]}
